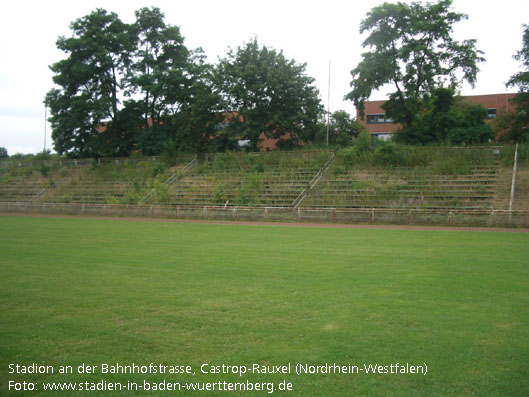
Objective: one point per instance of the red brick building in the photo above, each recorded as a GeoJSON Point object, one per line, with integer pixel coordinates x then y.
{"type": "Point", "coordinates": [382, 128]}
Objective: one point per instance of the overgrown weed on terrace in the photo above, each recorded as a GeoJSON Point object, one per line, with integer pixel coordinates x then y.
{"type": "Point", "coordinates": [243, 196]}
{"type": "Point", "coordinates": [219, 194]}
{"type": "Point", "coordinates": [507, 155]}
{"type": "Point", "coordinates": [360, 185]}
{"type": "Point", "coordinates": [443, 160]}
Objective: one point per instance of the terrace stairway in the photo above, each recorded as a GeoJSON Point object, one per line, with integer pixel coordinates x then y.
{"type": "Point", "coordinates": [252, 180]}
{"type": "Point", "coordinates": [405, 188]}
{"type": "Point", "coordinates": [307, 179]}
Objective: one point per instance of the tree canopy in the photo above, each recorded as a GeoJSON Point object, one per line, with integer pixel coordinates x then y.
{"type": "Point", "coordinates": [517, 122]}
{"type": "Point", "coordinates": [447, 119]}
{"type": "Point", "coordinates": [125, 88]}
{"type": "Point", "coordinates": [270, 93]}
{"type": "Point", "coordinates": [161, 60]}
{"type": "Point", "coordinates": [411, 47]}
{"type": "Point", "coordinates": [343, 130]}
{"type": "Point", "coordinates": [90, 84]}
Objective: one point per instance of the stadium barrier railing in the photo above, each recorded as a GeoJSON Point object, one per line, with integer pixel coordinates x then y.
{"type": "Point", "coordinates": [487, 218]}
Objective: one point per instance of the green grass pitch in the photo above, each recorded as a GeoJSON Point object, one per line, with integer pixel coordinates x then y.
{"type": "Point", "coordinates": [83, 291]}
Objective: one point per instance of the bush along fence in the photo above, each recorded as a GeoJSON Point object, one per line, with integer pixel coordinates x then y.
{"type": "Point", "coordinates": [486, 218]}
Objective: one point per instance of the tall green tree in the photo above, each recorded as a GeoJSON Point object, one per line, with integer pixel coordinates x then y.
{"type": "Point", "coordinates": [126, 87]}
{"type": "Point", "coordinates": [411, 47]}
{"type": "Point", "coordinates": [517, 121]}
{"type": "Point", "coordinates": [158, 81]}
{"type": "Point", "coordinates": [159, 67]}
{"type": "Point", "coordinates": [197, 125]}
{"type": "Point", "coordinates": [472, 127]}
{"type": "Point", "coordinates": [343, 129]}
{"type": "Point", "coordinates": [89, 84]}
{"type": "Point", "coordinates": [270, 93]}
{"type": "Point", "coordinates": [447, 119]}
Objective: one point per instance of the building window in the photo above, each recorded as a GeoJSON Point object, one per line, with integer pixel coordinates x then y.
{"type": "Point", "coordinates": [377, 138]}
{"type": "Point", "coordinates": [385, 136]}
{"type": "Point", "coordinates": [491, 113]}
{"type": "Point", "coordinates": [378, 119]}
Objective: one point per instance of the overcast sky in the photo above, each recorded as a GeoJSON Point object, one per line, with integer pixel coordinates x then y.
{"type": "Point", "coordinates": [311, 32]}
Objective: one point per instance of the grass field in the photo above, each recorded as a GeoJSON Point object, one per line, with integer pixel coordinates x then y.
{"type": "Point", "coordinates": [76, 291]}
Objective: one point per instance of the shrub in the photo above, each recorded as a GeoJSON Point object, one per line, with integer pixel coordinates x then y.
{"type": "Point", "coordinates": [64, 171]}
{"type": "Point", "coordinates": [219, 195]}
{"type": "Point", "coordinates": [322, 158]}
{"type": "Point", "coordinates": [360, 185]}
{"type": "Point", "coordinates": [111, 200]}
{"type": "Point", "coordinates": [157, 169]}
{"type": "Point", "coordinates": [162, 191]}
{"type": "Point", "coordinates": [249, 158]}
{"type": "Point", "coordinates": [136, 185]}
{"type": "Point", "coordinates": [345, 158]}
{"type": "Point", "coordinates": [170, 153]}
{"type": "Point", "coordinates": [201, 167]}
{"type": "Point", "coordinates": [507, 155]}
{"type": "Point", "coordinates": [259, 167]}
{"type": "Point", "coordinates": [44, 169]}
{"type": "Point", "coordinates": [219, 163]}
{"type": "Point", "coordinates": [131, 198]}
{"type": "Point", "coordinates": [243, 195]}
{"type": "Point", "coordinates": [255, 180]}
{"type": "Point", "coordinates": [387, 192]}
{"type": "Point", "coordinates": [44, 155]}
{"type": "Point", "coordinates": [452, 166]}
{"type": "Point", "coordinates": [386, 154]}
{"type": "Point", "coordinates": [362, 143]}
{"type": "Point", "coordinates": [339, 169]}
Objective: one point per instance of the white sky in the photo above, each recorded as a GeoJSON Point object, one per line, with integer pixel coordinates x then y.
{"type": "Point", "coordinates": [312, 32]}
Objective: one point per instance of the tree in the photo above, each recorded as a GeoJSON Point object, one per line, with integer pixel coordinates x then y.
{"type": "Point", "coordinates": [411, 48]}
{"type": "Point", "coordinates": [3, 153]}
{"type": "Point", "coordinates": [197, 125]}
{"type": "Point", "coordinates": [517, 122]}
{"type": "Point", "coordinates": [123, 87]}
{"type": "Point", "coordinates": [159, 67]}
{"type": "Point", "coordinates": [159, 75]}
{"type": "Point", "coordinates": [270, 94]}
{"type": "Point", "coordinates": [472, 127]}
{"type": "Point", "coordinates": [90, 85]}
{"type": "Point", "coordinates": [446, 118]}
{"type": "Point", "coordinates": [342, 129]}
